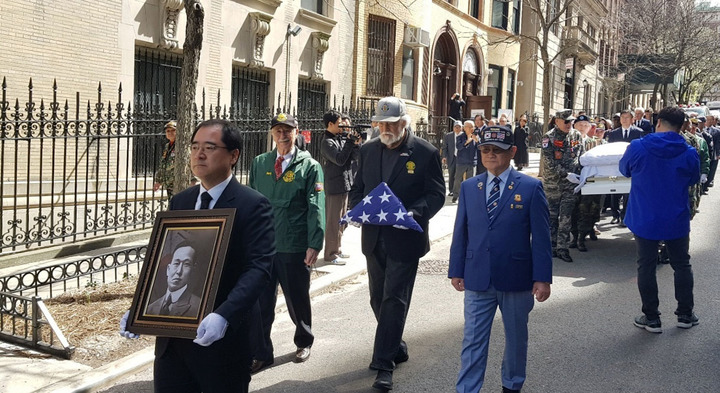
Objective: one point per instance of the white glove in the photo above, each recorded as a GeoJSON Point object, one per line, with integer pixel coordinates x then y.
{"type": "Point", "coordinates": [400, 227]}
{"type": "Point", "coordinates": [355, 223]}
{"type": "Point", "coordinates": [123, 325]}
{"type": "Point", "coordinates": [703, 178]}
{"type": "Point", "coordinates": [211, 329]}
{"type": "Point", "coordinates": [573, 178]}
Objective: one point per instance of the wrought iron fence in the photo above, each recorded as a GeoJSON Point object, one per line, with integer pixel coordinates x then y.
{"type": "Point", "coordinates": [27, 321]}
{"type": "Point", "coordinates": [73, 170]}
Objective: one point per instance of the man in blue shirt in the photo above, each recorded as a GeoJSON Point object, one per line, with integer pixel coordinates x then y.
{"type": "Point", "coordinates": [662, 167]}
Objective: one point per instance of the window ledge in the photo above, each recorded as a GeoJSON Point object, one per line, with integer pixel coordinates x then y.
{"type": "Point", "coordinates": [317, 18]}
{"type": "Point", "coordinates": [272, 3]}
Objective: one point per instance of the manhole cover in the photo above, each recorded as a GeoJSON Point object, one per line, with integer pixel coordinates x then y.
{"type": "Point", "coordinates": [433, 266]}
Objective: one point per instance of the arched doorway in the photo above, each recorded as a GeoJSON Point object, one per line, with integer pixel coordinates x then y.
{"type": "Point", "coordinates": [444, 80]}
{"type": "Point", "coordinates": [472, 73]}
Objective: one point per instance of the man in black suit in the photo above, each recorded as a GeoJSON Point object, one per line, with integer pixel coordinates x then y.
{"type": "Point", "coordinates": [411, 168]}
{"type": "Point", "coordinates": [178, 300]}
{"type": "Point", "coordinates": [218, 360]}
{"type": "Point", "coordinates": [449, 153]}
{"type": "Point", "coordinates": [625, 133]}
{"type": "Point", "coordinates": [641, 122]}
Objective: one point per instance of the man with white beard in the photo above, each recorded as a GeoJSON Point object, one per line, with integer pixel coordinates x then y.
{"type": "Point", "coordinates": [412, 169]}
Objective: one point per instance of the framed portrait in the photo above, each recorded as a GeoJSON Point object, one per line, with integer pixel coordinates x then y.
{"type": "Point", "coordinates": [179, 279]}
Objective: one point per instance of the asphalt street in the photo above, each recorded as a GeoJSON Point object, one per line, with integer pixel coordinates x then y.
{"type": "Point", "coordinates": [581, 340]}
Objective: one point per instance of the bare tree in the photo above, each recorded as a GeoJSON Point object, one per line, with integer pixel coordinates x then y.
{"type": "Point", "coordinates": [188, 83]}
{"type": "Point", "coordinates": [548, 16]}
{"type": "Point", "coordinates": [662, 38]}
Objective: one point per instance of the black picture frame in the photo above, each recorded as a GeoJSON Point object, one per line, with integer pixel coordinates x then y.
{"type": "Point", "coordinates": [180, 276]}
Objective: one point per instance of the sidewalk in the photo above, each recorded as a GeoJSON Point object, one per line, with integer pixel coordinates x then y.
{"type": "Point", "coordinates": [25, 371]}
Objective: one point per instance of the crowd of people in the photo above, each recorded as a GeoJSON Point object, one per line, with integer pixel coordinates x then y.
{"type": "Point", "coordinates": [501, 253]}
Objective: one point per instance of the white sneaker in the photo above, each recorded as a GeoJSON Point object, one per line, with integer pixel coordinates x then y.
{"type": "Point", "coordinates": [338, 262]}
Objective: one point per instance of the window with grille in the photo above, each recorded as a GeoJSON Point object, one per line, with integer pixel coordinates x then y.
{"type": "Point", "coordinates": [249, 93]}
{"type": "Point", "coordinates": [312, 97]}
{"type": "Point", "coordinates": [157, 80]}
{"type": "Point", "coordinates": [380, 56]}
{"type": "Point", "coordinates": [157, 83]}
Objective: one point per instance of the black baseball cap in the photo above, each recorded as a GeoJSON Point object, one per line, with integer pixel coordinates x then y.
{"type": "Point", "coordinates": [582, 118]}
{"type": "Point", "coordinates": [283, 118]}
{"type": "Point", "coordinates": [500, 136]}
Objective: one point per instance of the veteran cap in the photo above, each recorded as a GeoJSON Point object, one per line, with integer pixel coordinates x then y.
{"type": "Point", "coordinates": [582, 118]}
{"type": "Point", "coordinates": [500, 136]}
{"type": "Point", "coordinates": [565, 114]}
{"type": "Point", "coordinates": [389, 110]}
{"type": "Point", "coordinates": [457, 123]}
{"type": "Point", "coordinates": [171, 124]}
{"type": "Point", "coordinates": [285, 119]}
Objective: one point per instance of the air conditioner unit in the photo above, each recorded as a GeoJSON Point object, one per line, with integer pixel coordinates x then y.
{"type": "Point", "coordinates": [416, 37]}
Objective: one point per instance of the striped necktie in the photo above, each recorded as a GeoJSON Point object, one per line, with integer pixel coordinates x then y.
{"type": "Point", "coordinates": [492, 201]}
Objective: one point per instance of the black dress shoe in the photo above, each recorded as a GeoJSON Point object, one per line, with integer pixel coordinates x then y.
{"type": "Point", "coordinates": [258, 365]}
{"type": "Point", "coordinates": [383, 381]}
{"type": "Point", "coordinates": [564, 255]}
{"type": "Point", "coordinates": [622, 224]}
{"type": "Point", "coordinates": [614, 220]}
{"type": "Point", "coordinates": [302, 354]}
{"type": "Point", "coordinates": [401, 357]}
{"type": "Point", "coordinates": [506, 390]}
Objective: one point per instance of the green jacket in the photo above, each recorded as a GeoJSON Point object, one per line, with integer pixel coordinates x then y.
{"type": "Point", "coordinates": [297, 198]}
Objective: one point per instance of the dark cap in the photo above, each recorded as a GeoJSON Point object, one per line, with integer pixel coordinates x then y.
{"type": "Point", "coordinates": [702, 119]}
{"type": "Point", "coordinates": [500, 136]}
{"type": "Point", "coordinates": [565, 114]}
{"type": "Point", "coordinates": [283, 118]}
{"type": "Point", "coordinates": [582, 118]}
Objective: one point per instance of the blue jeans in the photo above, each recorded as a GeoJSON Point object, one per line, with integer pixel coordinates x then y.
{"type": "Point", "coordinates": [479, 314]}
{"type": "Point", "coordinates": [647, 254]}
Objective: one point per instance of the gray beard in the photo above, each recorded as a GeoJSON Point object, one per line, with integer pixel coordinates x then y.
{"type": "Point", "coordinates": [391, 140]}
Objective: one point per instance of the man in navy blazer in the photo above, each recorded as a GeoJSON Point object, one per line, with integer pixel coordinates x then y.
{"type": "Point", "coordinates": [449, 154]}
{"type": "Point", "coordinates": [218, 360]}
{"type": "Point", "coordinates": [641, 122]}
{"type": "Point", "coordinates": [627, 132]}
{"type": "Point", "coordinates": [501, 256]}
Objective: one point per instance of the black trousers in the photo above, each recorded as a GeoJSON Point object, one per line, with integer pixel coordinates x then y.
{"type": "Point", "coordinates": [185, 367]}
{"type": "Point", "coordinates": [617, 212]}
{"type": "Point", "coordinates": [647, 256]}
{"type": "Point", "coordinates": [291, 273]}
{"type": "Point", "coordinates": [391, 283]}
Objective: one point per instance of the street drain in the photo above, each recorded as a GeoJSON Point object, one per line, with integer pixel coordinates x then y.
{"type": "Point", "coordinates": [433, 266]}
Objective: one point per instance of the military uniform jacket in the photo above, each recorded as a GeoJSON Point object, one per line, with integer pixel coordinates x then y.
{"type": "Point", "coordinates": [165, 174]}
{"type": "Point", "coordinates": [561, 154]}
{"type": "Point", "coordinates": [297, 199]}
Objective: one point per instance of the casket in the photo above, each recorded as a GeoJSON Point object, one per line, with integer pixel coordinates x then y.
{"type": "Point", "coordinates": [600, 173]}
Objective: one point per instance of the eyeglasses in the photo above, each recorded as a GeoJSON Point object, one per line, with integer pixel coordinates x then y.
{"type": "Point", "coordinates": [492, 149]}
{"type": "Point", "coordinates": [208, 148]}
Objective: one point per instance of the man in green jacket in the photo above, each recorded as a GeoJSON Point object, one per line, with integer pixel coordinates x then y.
{"type": "Point", "coordinates": [293, 182]}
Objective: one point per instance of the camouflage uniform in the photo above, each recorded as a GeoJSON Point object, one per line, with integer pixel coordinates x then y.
{"type": "Point", "coordinates": [165, 174]}
{"type": "Point", "coordinates": [695, 189]}
{"type": "Point", "coordinates": [587, 212]}
{"type": "Point", "coordinates": [561, 152]}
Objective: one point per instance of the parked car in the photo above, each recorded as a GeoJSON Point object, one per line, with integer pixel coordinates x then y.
{"type": "Point", "coordinates": [713, 105]}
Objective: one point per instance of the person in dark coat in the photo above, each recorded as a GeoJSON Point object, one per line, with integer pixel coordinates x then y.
{"type": "Point", "coordinates": [520, 135]}
{"type": "Point", "coordinates": [456, 106]}
{"type": "Point", "coordinates": [411, 168]}
{"type": "Point", "coordinates": [218, 360]}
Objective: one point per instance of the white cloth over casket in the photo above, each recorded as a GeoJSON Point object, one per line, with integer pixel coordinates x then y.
{"type": "Point", "coordinates": [601, 161]}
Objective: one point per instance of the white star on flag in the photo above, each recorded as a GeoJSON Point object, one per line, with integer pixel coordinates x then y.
{"type": "Point", "coordinates": [381, 215]}
{"type": "Point", "coordinates": [379, 211]}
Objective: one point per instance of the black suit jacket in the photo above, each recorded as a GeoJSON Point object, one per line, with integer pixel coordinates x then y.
{"type": "Point", "coordinates": [417, 180]}
{"type": "Point", "coordinates": [247, 265]}
{"type": "Point", "coordinates": [646, 126]}
{"type": "Point", "coordinates": [616, 135]}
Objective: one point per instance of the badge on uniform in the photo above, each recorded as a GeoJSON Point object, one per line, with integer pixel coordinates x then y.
{"type": "Point", "coordinates": [558, 143]}
{"type": "Point", "coordinates": [268, 173]}
{"type": "Point", "coordinates": [558, 155]}
{"type": "Point", "coordinates": [480, 186]}
{"type": "Point", "coordinates": [289, 176]}
{"type": "Point", "coordinates": [545, 142]}
{"type": "Point", "coordinates": [518, 198]}
{"type": "Point", "coordinates": [512, 184]}
{"type": "Point", "coordinates": [319, 187]}
{"type": "Point", "coordinates": [410, 167]}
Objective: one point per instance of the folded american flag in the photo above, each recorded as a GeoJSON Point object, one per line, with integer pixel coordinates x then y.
{"type": "Point", "coordinates": [381, 207]}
